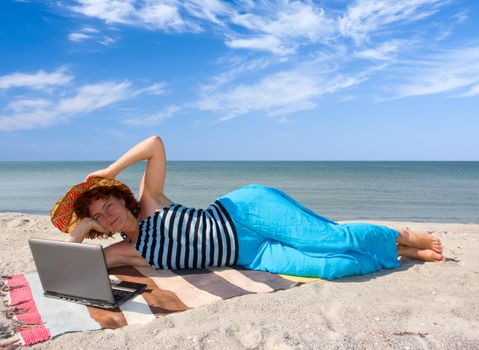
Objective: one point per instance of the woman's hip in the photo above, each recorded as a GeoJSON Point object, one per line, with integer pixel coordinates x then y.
{"type": "Point", "coordinates": [261, 207]}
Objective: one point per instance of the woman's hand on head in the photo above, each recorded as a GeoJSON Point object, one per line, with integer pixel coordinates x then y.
{"type": "Point", "coordinates": [93, 224]}
{"type": "Point", "coordinates": [106, 173]}
{"type": "Point", "coordinates": [83, 228]}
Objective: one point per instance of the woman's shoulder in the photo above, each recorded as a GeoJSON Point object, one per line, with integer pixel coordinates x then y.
{"type": "Point", "coordinates": [149, 206]}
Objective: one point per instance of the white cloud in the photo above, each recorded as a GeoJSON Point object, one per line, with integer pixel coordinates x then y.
{"type": "Point", "coordinates": [282, 26]}
{"type": "Point", "coordinates": [78, 37]}
{"type": "Point", "coordinates": [91, 97]}
{"type": "Point", "coordinates": [295, 32]}
{"type": "Point", "coordinates": [106, 40]}
{"type": "Point", "coordinates": [30, 113]}
{"type": "Point", "coordinates": [383, 52]}
{"type": "Point", "coordinates": [461, 16]}
{"type": "Point", "coordinates": [287, 19]}
{"type": "Point", "coordinates": [155, 89]}
{"type": "Point", "coordinates": [236, 66]}
{"type": "Point", "coordinates": [38, 80]}
{"type": "Point", "coordinates": [154, 119]}
{"type": "Point", "coordinates": [450, 72]}
{"type": "Point", "coordinates": [278, 94]}
{"type": "Point", "coordinates": [270, 94]}
{"type": "Point", "coordinates": [90, 30]}
{"type": "Point", "coordinates": [156, 14]}
{"type": "Point", "coordinates": [24, 105]}
{"type": "Point", "coordinates": [283, 121]}
{"type": "Point", "coordinates": [472, 91]}
{"type": "Point", "coordinates": [264, 42]}
{"type": "Point", "coordinates": [37, 118]}
{"type": "Point", "coordinates": [152, 14]}
{"type": "Point", "coordinates": [90, 34]}
{"type": "Point", "coordinates": [367, 17]}
{"type": "Point", "coordinates": [279, 26]}
{"type": "Point", "coordinates": [209, 10]}
{"type": "Point", "coordinates": [161, 15]}
{"type": "Point", "coordinates": [111, 11]}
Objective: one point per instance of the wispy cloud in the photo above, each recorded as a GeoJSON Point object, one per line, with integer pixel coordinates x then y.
{"type": "Point", "coordinates": [233, 68]}
{"type": "Point", "coordinates": [43, 113]}
{"type": "Point", "coordinates": [281, 27]}
{"type": "Point", "coordinates": [455, 71]}
{"type": "Point", "coordinates": [60, 106]}
{"type": "Point", "coordinates": [25, 105]}
{"type": "Point", "coordinates": [94, 96]}
{"type": "Point", "coordinates": [383, 52]}
{"type": "Point", "coordinates": [78, 37]}
{"type": "Point", "coordinates": [473, 90]}
{"type": "Point", "coordinates": [264, 42]}
{"type": "Point", "coordinates": [38, 80]}
{"type": "Point", "coordinates": [366, 17]}
{"type": "Point", "coordinates": [106, 40]}
{"type": "Point", "coordinates": [109, 11]}
{"type": "Point", "coordinates": [275, 95]}
{"type": "Point", "coordinates": [288, 40]}
{"type": "Point", "coordinates": [461, 16]}
{"type": "Point", "coordinates": [90, 34]}
{"type": "Point", "coordinates": [154, 119]}
{"type": "Point", "coordinates": [155, 89]}
{"type": "Point", "coordinates": [209, 10]}
{"type": "Point", "coordinates": [162, 15]}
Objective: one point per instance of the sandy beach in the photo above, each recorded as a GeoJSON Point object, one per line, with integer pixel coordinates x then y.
{"type": "Point", "coordinates": [418, 306]}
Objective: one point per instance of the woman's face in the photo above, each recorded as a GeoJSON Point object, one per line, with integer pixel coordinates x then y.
{"type": "Point", "coordinates": [110, 212]}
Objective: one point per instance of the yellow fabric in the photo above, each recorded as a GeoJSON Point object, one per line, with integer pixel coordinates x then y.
{"type": "Point", "coordinates": [300, 279]}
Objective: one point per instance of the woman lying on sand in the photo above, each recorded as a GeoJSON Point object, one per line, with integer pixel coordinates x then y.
{"type": "Point", "coordinates": [258, 227]}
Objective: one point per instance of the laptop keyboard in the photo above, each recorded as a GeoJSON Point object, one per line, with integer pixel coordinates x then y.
{"type": "Point", "coordinates": [120, 294]}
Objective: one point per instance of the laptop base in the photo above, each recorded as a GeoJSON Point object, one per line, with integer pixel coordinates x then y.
{"type": "Point", "coordinates": [121, 295]}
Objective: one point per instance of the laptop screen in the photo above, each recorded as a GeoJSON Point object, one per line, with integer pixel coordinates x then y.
{"type": "Point", "coordinates": [72, 269]}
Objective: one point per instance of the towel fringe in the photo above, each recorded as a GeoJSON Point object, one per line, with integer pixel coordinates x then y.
{"type": "Point", "coordinates": [5, 334]}
{"type": "Point", "coordinates": [20, 325]}
{"type": "Point", "coordinates": [19, 310]}
{"type": "Point", "coordinates": [20, 302]}
{"type": "Point", "coordinates": [12, 344]}
{"type": "Point", "coordinates": [9, 313]}
{"type": "Point", "coordinates": [7, 288]}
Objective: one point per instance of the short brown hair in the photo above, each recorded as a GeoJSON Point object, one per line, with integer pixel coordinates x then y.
{"type": "Point", "coordinates": [80, 207]}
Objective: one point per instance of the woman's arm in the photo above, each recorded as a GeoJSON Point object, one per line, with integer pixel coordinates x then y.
{"type": "Point", "coordinates": [152, 150]}
{"type": "Point", "coordinates": [84, 226]}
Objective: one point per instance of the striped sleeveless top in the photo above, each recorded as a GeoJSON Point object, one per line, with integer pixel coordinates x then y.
{"type": "Point", "coordinates": [180, 237]}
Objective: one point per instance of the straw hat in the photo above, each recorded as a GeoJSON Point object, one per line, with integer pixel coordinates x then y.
{"type": "Point", "coordinates": [62, 215]}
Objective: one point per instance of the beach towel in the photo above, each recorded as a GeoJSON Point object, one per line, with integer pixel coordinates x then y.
{"type": "Point", "coordinates": [36, 318]}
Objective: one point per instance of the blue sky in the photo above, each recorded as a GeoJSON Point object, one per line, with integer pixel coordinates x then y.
{"type": "Point", "coordinates": [240, 80]}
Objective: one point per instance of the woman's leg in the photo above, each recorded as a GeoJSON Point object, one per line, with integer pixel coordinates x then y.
{"type": "Point", "coordinates": [269, 213]}
{"type": "Point", "coordinates": [123, 254]}
{"type": "Point", "coordinates": [278, 234]}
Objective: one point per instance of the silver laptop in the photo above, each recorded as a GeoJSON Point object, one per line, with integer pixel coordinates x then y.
{"type": "Point", "coordinates": [77, 272]}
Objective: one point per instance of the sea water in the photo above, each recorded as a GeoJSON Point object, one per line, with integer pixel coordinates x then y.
{"type": "Point", "coordinates": [406, 191]}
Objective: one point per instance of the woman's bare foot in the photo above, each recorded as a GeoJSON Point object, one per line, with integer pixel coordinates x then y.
{"type": "Point", "coordinates": [419, 254]}
{"type": "Point", "coordinates": [419, 240]}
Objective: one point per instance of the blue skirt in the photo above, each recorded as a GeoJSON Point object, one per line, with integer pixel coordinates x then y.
{"type": "Point", "coordinates": [279, 235]}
